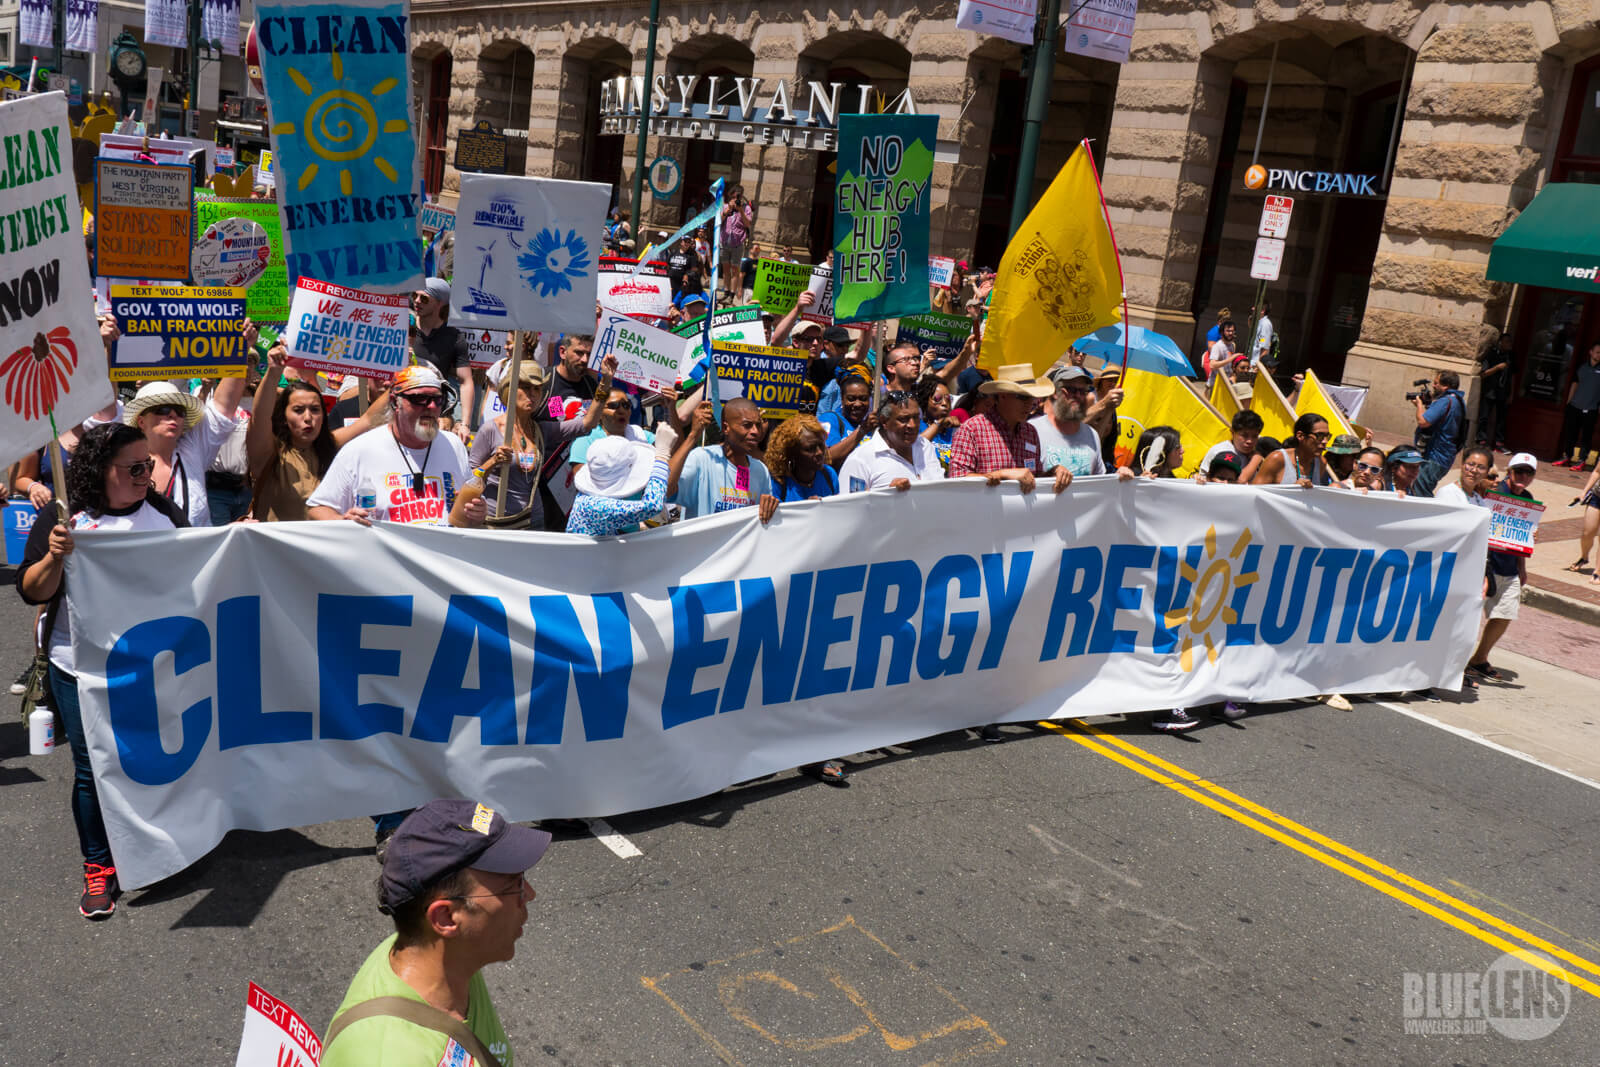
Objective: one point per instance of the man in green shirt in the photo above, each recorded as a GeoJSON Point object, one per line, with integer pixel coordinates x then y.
{"type": "Point", "coordinates": [454, 882]}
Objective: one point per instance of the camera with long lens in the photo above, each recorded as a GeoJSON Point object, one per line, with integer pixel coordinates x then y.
{"type": "Point", "coordinates": [1425, 394]}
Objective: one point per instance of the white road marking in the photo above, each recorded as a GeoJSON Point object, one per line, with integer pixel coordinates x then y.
{"type": "Point", "coordinates": [624, 848]}
{"type": "Point", "coordinates": [1461, 731]}
{"type": "Point", "coordinates": [1057, 846]}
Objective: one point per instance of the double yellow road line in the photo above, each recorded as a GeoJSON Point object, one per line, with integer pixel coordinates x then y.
{"type": "Point", "coordinates": [1450, 910]}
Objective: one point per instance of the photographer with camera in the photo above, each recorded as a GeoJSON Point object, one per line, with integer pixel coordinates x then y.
{"type": "Point", "coordinates": [1441, 419]}
{"type": "Point", "coordinates": [737, 221]}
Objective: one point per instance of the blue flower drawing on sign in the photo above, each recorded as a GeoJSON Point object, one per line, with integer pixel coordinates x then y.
{"type": "Point", "coordinates": [551, 263]}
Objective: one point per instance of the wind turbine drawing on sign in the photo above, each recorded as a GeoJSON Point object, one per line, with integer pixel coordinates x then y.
{"type": "Point", "coordinates": [485, 303]}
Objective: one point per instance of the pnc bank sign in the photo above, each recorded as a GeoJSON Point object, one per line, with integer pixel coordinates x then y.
{"type": "Point", "coordinates": [1311, 181]}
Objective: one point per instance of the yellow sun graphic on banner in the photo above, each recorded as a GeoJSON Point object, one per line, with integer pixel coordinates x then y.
{"type": "Point", "coordinates": [1215, 576]}
{"type": "Point", "coordinates": [340, 125]}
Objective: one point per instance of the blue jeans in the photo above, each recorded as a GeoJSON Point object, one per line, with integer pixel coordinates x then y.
{"type": "Point", "coordinates": [92, 841]}
{"type": "Point", "coordinates": [1428, 477]}
{"type": "Point", "coordinates": [228, 504]}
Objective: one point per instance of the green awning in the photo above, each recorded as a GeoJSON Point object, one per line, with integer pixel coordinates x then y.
{"type": "Point", "coordinates": [1554, 243]}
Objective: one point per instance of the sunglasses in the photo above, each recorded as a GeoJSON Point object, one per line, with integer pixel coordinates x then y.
{"type": "Point", "coordinates": [1369, 468]}
{"type": "Point", "coordinates": [423, 400]}
{"type": "Point", "coordinates": [162, 411]}
{"type": "Point", "coordinates": [143, 468]}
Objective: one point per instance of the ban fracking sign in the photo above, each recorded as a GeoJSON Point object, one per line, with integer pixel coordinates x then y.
{"type": "Point", "coordinates": [178, 331]}
{"type": "Point", "coordinates": [880, 218]}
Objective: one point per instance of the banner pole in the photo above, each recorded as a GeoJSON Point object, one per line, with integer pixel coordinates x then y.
{"type": "Point", "coordinates": [512, 419]}
{"type": "Point", "coordinates": [59, 466]}
{"type": "Point", "coordinates": [1122, 281]}
{"type": "Point", "coordinates": [644, 119]}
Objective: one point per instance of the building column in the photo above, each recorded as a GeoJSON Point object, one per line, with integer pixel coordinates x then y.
{"type": "Point", "coordinates": [1468, 161]}
{"type": "Point", "coordinates": [780, 181]}
{"type": "Point", "coordinates": [545, 104]}
{"type": "Point", "coordinates": [1160, 161]}
{"type": "Point", "coordinates": [945, 75]}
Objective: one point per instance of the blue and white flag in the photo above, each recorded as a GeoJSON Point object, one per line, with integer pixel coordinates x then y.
{"type": "Point", "coordinates": [527, 253]}
{"type": "Point", "coordinates": [344, 152]}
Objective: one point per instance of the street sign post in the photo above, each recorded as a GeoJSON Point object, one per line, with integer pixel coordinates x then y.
{"type": "Point", "coordinates": [1275, 213]}
{"type": "Point", "coordinates": [1268, 259]}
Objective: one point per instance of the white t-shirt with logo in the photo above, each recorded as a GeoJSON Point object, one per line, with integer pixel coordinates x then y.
{"type": "Point", "coordinates": [1079, 453]}
{"type": "Point", "coordinates": [380, 460]}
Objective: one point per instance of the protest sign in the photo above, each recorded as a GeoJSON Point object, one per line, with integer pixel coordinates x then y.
{"type": "Point", "coordinates": [231, 252]}
{"type": "Point", "coordinates": [274, 1034]}
{"type": "Point", "coordinates": [51, 358]}
{"type": "Point", "coordinates": [606, 672]}
{"type": "Point", "coordinates": [646, 357]}
{"type": "Point", "coordinates": [143, 214]}
{"type": "Point", "coordinates": [881, 215]}
{"type": "Point", "coordinates": [821, 287]}
{"type": "Point", "coordinates": [347, 331]}
{"type": "Point", "coordinates": [178, 331]}
{"type": "Point", "coordinates": [485, 348]}
{"type": "Point", "coordinates": [1513, 522]}
{"type": "Point", "coordinates": [527, 253]}
{"type": "Point", "coordinates": [624, 288]}
{"type": "Point", "coordinates": [268, 297]}
{"type": "Point", "coordinates": [775, 378]}
{"type": "Point", "coordinates": [742, 324]}
{"type": "Point", "coordinates": [945, 334]}
{"type": "Point", "coordinates": [174, 150]}
{"type": "Point", "coordinates": [265, 174]}
{"type": "Point", "coordinates": [940, 270]}
{"type": "Point", "coordinates": [339, 89]}
{"type": "Point", "coordinates": [436, 218]}
{"type": "Point", "coordinates": [223, 157]}
{"type": "Point", "coordinates": [779, 284]}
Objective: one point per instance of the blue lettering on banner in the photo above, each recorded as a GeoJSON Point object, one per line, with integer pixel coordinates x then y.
{"type": "Point", "coordinates": [883, 624]}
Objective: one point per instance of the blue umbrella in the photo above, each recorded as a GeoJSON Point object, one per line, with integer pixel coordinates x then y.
{"type": "Point", "coordinates": [1147, 350]}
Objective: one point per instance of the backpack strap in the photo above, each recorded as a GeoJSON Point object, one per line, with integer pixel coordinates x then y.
{"type": "Point", "coordinates": [419, 1014]}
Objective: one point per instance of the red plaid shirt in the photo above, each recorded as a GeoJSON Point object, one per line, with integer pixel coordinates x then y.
{"type": "Point", "coordinates": [983, 444]}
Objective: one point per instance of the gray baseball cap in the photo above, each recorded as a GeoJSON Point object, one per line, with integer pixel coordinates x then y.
{"type": "Point", "coordinates": [446, 835]}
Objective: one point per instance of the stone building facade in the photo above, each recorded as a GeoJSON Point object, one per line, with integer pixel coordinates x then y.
{"type": "Point", "coordinates": [1454, 113]}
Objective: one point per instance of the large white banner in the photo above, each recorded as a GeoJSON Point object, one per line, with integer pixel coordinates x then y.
{"type": "Point", "coordinates": [51, 357]}
{"type": "Point", "coordinates": [284, 674]}
{"type": "Point", "coordinates": [527, 253]}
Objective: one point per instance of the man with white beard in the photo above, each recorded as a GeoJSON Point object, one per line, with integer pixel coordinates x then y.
{"type": "Point", "coordinates": [410, 474]}
{"type": "Point", "coordinates": [1063, 437]}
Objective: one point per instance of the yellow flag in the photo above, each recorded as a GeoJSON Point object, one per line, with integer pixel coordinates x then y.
{"type": "Point", "coordinates": [1313, 398]}
{"type": "Point", "coordinates": [1277, 417]}
{"type": "Point", "coordinates": [1059, 277]}
{"type": "Point", "coordinates": [1157, 400]}
{"type": "Point", "coordinates": [1224, 399]}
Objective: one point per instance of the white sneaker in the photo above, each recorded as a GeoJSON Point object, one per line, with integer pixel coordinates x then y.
{"type": "Point", "coordinates": [1337, 702]}
{"type": "Point", "coordinates": [1173, 721]}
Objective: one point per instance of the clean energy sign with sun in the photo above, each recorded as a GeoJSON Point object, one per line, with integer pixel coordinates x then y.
{"type": "Point", "coordinates": [339, 99]}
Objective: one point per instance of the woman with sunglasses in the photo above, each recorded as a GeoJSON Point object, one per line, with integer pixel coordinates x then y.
{"type": "Point", "coordinates": [185, 435]}
{"type": "Point", "coordinates": [109, 483]}
{"type": "Point", "coordinates": [1368, 472]}
{"type": "Point", "coordinates": [518, 449]}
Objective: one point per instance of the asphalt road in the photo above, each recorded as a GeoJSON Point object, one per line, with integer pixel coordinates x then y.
{"type": "Point", "coordinates": [1289, 889]}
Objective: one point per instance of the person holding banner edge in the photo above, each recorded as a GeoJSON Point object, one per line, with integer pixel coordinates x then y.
{"type": "Point", "coordinates": [109, 482]}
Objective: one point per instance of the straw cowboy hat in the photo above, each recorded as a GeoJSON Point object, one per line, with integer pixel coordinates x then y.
{"type": "Point", "coordinates": [615, 467]}
{"type": "Point", "coordinates": [1018, 378]}
{"type": "Point", "coordinates": [162, 394]}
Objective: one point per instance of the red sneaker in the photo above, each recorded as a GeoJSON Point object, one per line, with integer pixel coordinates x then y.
{"type": "Point", "coordinates": [1562, 462]}
{"type": "Point", "coordinates": [100, 891]}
